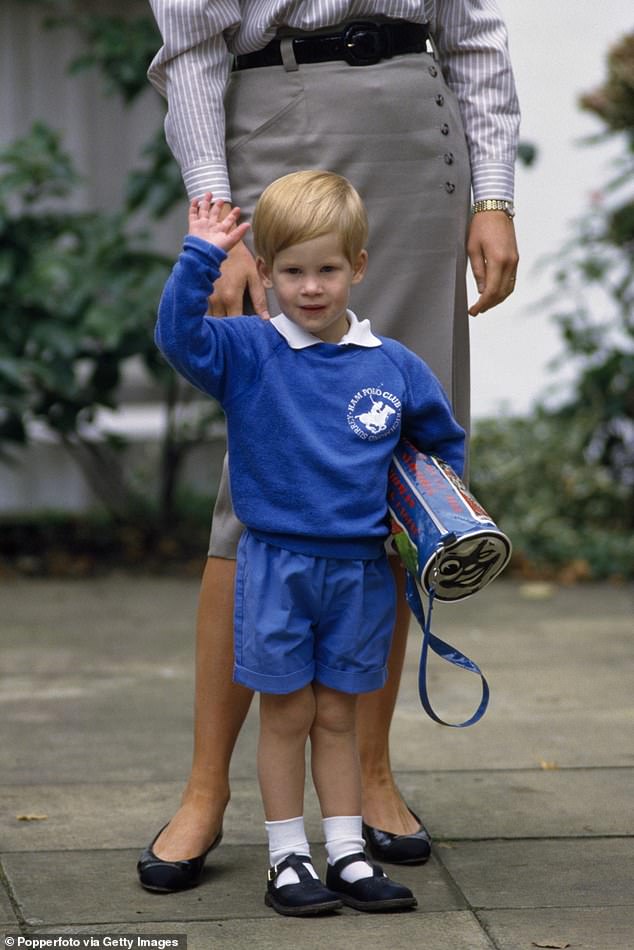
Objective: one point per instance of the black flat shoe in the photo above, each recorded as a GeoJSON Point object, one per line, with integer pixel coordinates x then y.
{"type": "Point", "coordinates": [398, 849]}
{"type": "Point", "coordinates": [304, 899]}
{"type": "Point", "coordinates": [376, 893]}
{"type": "Point", "coordinates": [167, 876]}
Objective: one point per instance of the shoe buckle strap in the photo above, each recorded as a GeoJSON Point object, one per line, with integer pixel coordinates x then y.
{"type": "Point", "coordinates": [295, 861]}
{"type": "Point", "coordinates": [351, 859]}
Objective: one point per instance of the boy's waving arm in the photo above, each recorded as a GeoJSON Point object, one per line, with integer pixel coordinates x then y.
{"type": "Point", "coordinates": [197, 347]}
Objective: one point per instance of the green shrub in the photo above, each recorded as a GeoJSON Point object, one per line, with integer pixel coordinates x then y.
{"type": "Point", "coordinates": [539, 480]}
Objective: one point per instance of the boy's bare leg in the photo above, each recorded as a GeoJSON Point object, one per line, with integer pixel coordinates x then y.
{"type": "Point", "coordinates": [220, 708]}
{"type": "Point", "coordinates": [285, 722]}
{"type": "Point", "coordinates": [334, 755]}
{"type": "Point", "coordinates": [337, 778]}
{"type": "Point", "coordinates": [383, 805]}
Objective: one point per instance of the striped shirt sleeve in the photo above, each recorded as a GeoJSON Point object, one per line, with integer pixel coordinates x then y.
{"type": "Point", "coordinates": [190, 71]}
{"type": "Point", "coordinates": [472, 45]}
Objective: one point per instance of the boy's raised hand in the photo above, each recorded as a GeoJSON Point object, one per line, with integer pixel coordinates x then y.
{"type": "Point", "coordinates": [205, 223]}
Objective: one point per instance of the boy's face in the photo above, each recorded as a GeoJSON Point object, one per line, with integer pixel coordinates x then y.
{"type": "Point", "coordinates": [312, 282]}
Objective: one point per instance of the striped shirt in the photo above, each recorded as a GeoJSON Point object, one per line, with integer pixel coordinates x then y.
{"type": "Point", "coordinates": [200, 37]}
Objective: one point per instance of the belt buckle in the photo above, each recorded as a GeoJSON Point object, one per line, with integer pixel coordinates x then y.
{"type": "Point", "coordinates": [363, 44]}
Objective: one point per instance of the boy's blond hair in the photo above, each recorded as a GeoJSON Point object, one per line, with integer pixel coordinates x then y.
{"type": "Point", "coordinates": [305, 205]}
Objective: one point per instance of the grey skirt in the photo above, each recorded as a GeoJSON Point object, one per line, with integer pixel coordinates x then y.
{"type": "Point", "coordinates": [395, 130]}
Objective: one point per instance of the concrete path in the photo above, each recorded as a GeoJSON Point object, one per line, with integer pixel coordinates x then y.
{"type": "Point", "coordinates": [531, 810]}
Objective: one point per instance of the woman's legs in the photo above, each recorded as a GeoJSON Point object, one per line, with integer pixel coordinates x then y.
{"type": "Point", "coordinates": [383, 805]}
{"type": "Point", "coordinates": [220, 709]}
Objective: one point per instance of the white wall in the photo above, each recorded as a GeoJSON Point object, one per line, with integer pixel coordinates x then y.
{"type": "Point", "coordinates": [559, 51]}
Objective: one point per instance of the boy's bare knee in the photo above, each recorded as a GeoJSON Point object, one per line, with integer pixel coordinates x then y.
{"type": "Point", "coordinates": [288, 714]}
{"type": "Point", "coordinates": [334, 711]}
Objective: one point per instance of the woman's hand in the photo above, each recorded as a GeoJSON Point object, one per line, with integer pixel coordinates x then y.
{"type": "Point", "coordinates": [492, 250]}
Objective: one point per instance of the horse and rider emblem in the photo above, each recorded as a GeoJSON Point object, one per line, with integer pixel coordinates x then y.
{"type": "Point", "coordinates": [374, 413]}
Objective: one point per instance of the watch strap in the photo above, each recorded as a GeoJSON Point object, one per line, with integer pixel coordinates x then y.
{"type": "Point", "coordinates": [494, 204]}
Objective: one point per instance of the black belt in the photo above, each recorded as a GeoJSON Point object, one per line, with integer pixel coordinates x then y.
{"type": "Point", "coordinates": [362, 43]}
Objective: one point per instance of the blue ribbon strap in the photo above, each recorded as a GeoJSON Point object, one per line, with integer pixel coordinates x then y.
{"type": "Point", "coordinates": [444, 650]}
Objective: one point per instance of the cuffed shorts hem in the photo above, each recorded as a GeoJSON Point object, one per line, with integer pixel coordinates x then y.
{"type": "Point", "coordinates": [340, 680]}
{"type": "Point", "coordinates": [347, 682]}
{"type": "Point", "coordinates": [267, 683]}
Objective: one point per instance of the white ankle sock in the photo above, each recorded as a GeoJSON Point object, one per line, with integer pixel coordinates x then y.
{"type": "Point", "coordinates": [287, 837]}
{"type": "Point", "coordinates": [344, 836]}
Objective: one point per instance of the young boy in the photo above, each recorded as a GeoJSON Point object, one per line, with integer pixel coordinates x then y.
{"type": "Point", "coordinates": [315, 404]}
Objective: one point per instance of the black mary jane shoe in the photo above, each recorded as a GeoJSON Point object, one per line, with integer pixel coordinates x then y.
{"type": "Point", "coordinates": [164, 877]}
{"type": "Point", "coordinates": [304, 899]}
{"type": "Point", "coordinates": [399, 849]}
{"type": "Point", "coordinates": [376, 893]}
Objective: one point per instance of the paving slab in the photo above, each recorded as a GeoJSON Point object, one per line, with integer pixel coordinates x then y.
{"type": "Point", "coordinates": [119, 815]}
{"type": "Point", "coordinates": [579, 872]}
{"type": "Point", "coordinates": [539, 803]}
{"type": "Point", "coordinates": [75, 727]}
{"type": "Point", "coordinates": [85, 816]}
{"type": "Point", "coordinates": [586, 742]}
{"type": "Point", "coordinates": [580, 717]}
{"type": "Point", "coordinates": [505, 629]}
{"type": "Point", "coordinates": [110, 608]}
{"type": "Point", "coordinates": [580, 928]}
{"type": "Point", "coordinates": [579, 690]}
{"type": "Point", "coordinates": [456, 930]}
{"type": "Point", "coordinates": [98, 887]}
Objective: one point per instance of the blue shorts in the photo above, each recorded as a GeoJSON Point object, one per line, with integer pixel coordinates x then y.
{"type": "Point", "coordinates": [300, 618]}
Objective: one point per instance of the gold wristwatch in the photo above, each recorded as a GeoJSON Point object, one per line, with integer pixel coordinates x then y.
{"type": "Point", "coordinates": [494, 204]}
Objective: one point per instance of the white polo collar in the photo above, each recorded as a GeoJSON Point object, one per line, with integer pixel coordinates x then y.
{"type": "Point", "coordinates": [359, 333]}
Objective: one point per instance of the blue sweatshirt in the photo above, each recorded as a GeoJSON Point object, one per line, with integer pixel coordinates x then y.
{"type": "Point", "coordinates": [310, 431]}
